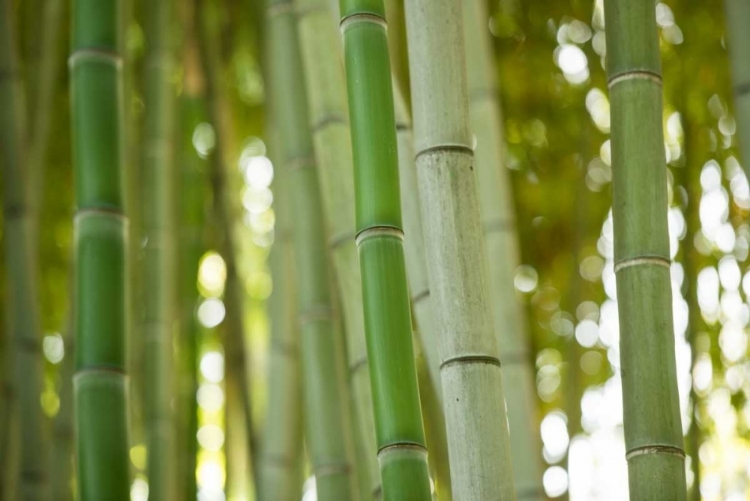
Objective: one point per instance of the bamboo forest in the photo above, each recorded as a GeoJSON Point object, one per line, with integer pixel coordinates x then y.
{"type": "Point", "coordinates": [365, 250]}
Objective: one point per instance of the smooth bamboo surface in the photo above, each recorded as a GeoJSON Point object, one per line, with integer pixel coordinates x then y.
{"type": "Point", "coordinates": [503, 255]}
{"type": "Point", "coordinates": [22, 310]}
{"type": "Point", "coordinates": [402, 453]}
{"type": "Point", "coordinates": [322, 57]}
{"type": "Point", "coordinates": [159, 268]}
{"type": "Point", "coordinates": [479, 448]}
{"type": "Point", "coordinates": [325, 392]}
{"type": "Point", "coordinates": [653, 432]}
{"type": "Point", "coordinates": [100, 382]}
{"type": "Point", "coordinates": [738, 38]}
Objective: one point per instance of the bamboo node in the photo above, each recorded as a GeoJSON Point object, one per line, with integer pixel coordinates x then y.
{"type": "Point", "coordinates": [315, 314]}
{"type": "Point", "coordinates": [401, 446]}
{"type": "Point", "coordinates": [111, 212]}
{"type": "Point", "coordinates": [643, 261]}
{"type": "Point", "coordinates": [357, 365]}
{"type": "Point", "coordinates": [470, 359]}
{"type": "Point", "coordinates": [338, 240]}
{"type": "Point", "coordinates": [299, 163]}
{"type": "Point", "coordinates": [420, 296]}
{"type": "Point", "coordinates": [362, 18]}
{"type": "Point", "coordinates": [379, 231]}
{"type": "Point", "coordinates": [27, 344]}
{"type": "Point", "coordinates": [280, 8]}
{"type": "Point", "coordinates": [327, 470]}
{"type": "Point", "coordinates": [329, 119]}
{"type": "Point", "coordinates": [668, 450]}
{"type": "Point", "coordinates": [634, 75]}
{"type": "Point", "coordinates": [94, 54]}
{"type": "Point", "coordinates": [741, 89]}
{"type": "Point", "coordinates": [439, 148]}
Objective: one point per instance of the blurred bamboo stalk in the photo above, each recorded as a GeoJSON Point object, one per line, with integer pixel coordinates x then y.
{"type": "Point", "coordinates": [738, 38]}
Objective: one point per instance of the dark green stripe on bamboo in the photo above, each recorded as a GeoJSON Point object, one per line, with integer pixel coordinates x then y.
{"type": "Point", "coordinates": [22, 308]}
{"type": "Point", "coordinates": [398, 419]}
{"type": "Point", "coordinates": [100, 382]}
{"type": "Point", "coordinates": [325, 393]}
{"type": "Point", "coordinates": [653, 433]}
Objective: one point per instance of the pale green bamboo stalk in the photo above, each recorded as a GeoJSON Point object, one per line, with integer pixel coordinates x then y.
{"type": "Point", "coordinates": [328, 431]}
{"type": "Point", "coordinates": [419, 290]}
{"type": "Point", "coordinates": [22, 297]}
{"type": "Point", "coordinates": [479, 447]}
{"type": "Point", "coordinates": [322, 54]}
{"type": "Point", "coordinates": [159, 266]}
{"type": "Point", "coordinates": [653, 432]}
{"type": "Point", "coordinates": [738, 38]}
{"type": "Point", "coordinates": [499, 227]}
{"type": "Point", "coordinates": [402, 453]}
{"type": "Point", "coordinates": [63, 427]}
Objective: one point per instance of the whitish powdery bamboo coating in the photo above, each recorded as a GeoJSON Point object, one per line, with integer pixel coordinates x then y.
{"type": "Point", "coordinates": [320, 42]}
{"type": "Point", "coordinates": [470, 369]}
{"type": "Point", "coordinates": [499, 227]}
{"type": "Point", "coordinates": [738, 33]}
{"type": "Point", "coordinates": [22, 298]}
{"type": "Point", "coordinates": [653, 433]}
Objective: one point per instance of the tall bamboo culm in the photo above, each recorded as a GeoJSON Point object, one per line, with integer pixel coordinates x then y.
{"type": "Point", "coordinates": [402, 454]}
{"type": "Point", "coordinates": [653, 433]}
{"type": "Point", "coordinates": [280, 465]}
{"type": "Point", "coordinates": [325, 392]}
{"type": "Point", "coordinates": [419, 290]}
{"type": "Point", "coordinates": [322, 55]}
{"type": "Point", "coordinates": [25, 380]}
{"type": "Point", "coordinates": [738, 20]}
{"type": "Point", "coordinates": [159, 267]}
{"type": "Point", "coordinates": [470, 365]}
{"type": "Point", "coordinates": [499, 228]}
{"type": "Point", "coordinates": [100, 382]}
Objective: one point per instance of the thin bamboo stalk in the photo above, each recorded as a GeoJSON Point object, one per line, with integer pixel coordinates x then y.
{"type": "Point", "coordinates": [100, 382]}
{"type": "Point", "coordinates": [419, 290]}
{"type": "Point", "coordinates": [159, 250]}
{"type": "Point", "coordinates": [234, 340]}
{"type": "Point", "coordinates": [653, 433]}
{"type": "Point", "coordinates": [402, 453]}
{"type": "Point", "coordinates": [63, 426]}
{"type": "Point", "coordinates": [22, 297]}
{"type": "Point", "coordinates": [738, 19]}
{"type": "Point", "coordinates": [281, 459]}
{"type": "Point", "coordinates": [503, 256]}
{"type": "Point", "coordinates": [470, 365]}
{"type": "Point", "coordinates": [328, 431]}
{"type": "Point", "coordinates": [322, 54]}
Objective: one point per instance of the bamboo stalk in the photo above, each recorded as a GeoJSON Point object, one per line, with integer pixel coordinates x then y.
{"type": "Point", "coordinates": [281, 460]}
{"type": "Point", "coordinates": [63, 426]}
{"type": "Point", "coordinates": [653, 433]}
{"type": "Point", "coordinates": [325, 393]}
{"type": "Point", "coordinates": [419, 290]}
{"type": "Point", "coordinates": [738, 19]}
{"type": "Point", "coordinates": [320, 43]}
{"type": "Point", "coordinates": [22, 299]}
{"type": "Point", "coordinates": [159, 250]}
{"type": "Point", "coordinates": [470, 365]}
{"type": "Point", "coordinates": [402, 453]}
{"type": "Point", "coordinates": [503, 256]}
{"type": "Point", "coordinates": [100, 382]}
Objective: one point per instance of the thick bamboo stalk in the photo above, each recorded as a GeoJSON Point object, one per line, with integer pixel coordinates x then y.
{"type": "Point", "coordinates": [327, 424]}
{"type": "Point", "coordinates": [100, 382]}
{"type": "Point", "coordinates": [456, 263]}
{"type": "Point", "coordinates": [281, 451]}
{"type": "Point", "coordinates": [22, 301]}
{"type": "Point", "coordinates": [738, 20]}
{"type": "Point", "coordinates": [653, 433]}
{"type": "Point", "coordinates": [159, 266]}
{"type": "Point", "coordinates": [499, 228]}
{"type": "Point", "coordinates": [322, 54]}
{"type": "Point", "coordinates": [419, 290]}
{"type": "Point", "coordinates": [234, 341]}
{"type": "Point", "coordinates": [402, 453]}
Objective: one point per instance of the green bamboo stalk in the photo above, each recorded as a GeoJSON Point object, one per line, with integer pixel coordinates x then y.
{"type": "Point", "coordinates": [419, 290]}
{"type": "Point", "coordinates": [159, 251]}
{"type": "Point", "coordinates": [324, 389]}
{"type": "Point", "coordinates": [470, 367]}
{"type": "Point", "coordinates": [281, 459]}
{"type": "Point", "coordinates": [322, 54]}
{"type": "Point", "coordinates": [402, 454]}
{"type": "Point", "coordinates": [499, 228]}
{"type": "Point", "coordinates": [738, 19]}
{"type": "Point", "coordinates": [234, 340]}
{"type": "Point", "coordinates": [22, 298]}
{"type": "Point", "coordinates": [63, 426]}
{"type": "Point", "coordinates": [100, 382]}
{"type": "Point", "coordinates": [653, 433]}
